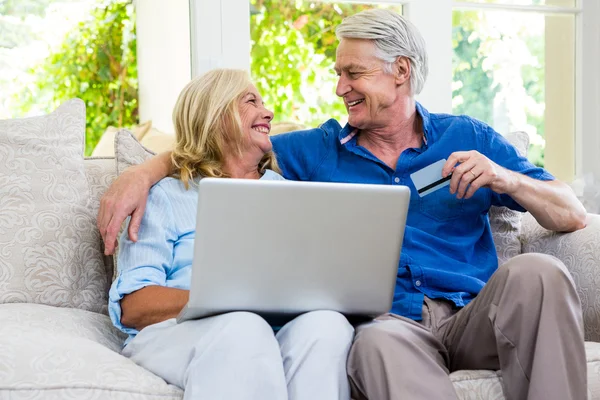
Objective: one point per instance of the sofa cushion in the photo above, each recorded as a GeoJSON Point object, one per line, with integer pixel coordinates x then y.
{"type": "Point", "coordinates": [487, 385]}
{"type": "Point", "coordinates": [129, 151]}
{"type": "Point", "coordinates": [57, 353]}
{"type": "Point", "coordinates": [50, 249]}
{"type": "Point", "coordinates": [101, 173]}
{"type": "Point", "coordinates": [157, 141]}
{"type": "Point", "coordinates": [506, 223]}
{"type": "Point", "coordinates": [106, 145]}
{"type": "Point", "coordinates": [284, 127]}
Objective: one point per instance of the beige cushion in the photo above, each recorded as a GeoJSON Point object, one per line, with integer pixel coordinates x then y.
{"type": "Point", "coordinates": [49, 244]}
{"type": "Point", "coordinates": [157, 141]}
{"type": "Point", "coordinates": [58, 353]}
{"type": "Point", "coordinates": [506, 223]}
{"type": "Point", "coordinates": [106, 144]}
{"type": "Point", "coordinates": [283, 127]}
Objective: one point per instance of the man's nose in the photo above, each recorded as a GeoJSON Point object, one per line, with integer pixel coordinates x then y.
{"type": "Point", "coordinates": [342, 86]}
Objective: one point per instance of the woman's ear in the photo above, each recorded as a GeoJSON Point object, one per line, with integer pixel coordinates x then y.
{"type": "Point", "coordinates": [402, 70]}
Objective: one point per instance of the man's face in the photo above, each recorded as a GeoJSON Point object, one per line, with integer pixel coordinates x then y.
{"type": "Point", "coordinates": [367, 89]}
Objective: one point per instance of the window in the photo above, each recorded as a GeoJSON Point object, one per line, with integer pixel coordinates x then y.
{"type": "Point", "coordinates": [293, 47]}
{"type": "Point", "coordinates": [53, 51]}
{"type": "Point", "coordinates": [516, 71]}
{"type": "Point", "coordinates": [108, 53]}
{"type": "Point", "coordinates": [558, 85]}
{"type": "Point", "coordinates": [514, 66]}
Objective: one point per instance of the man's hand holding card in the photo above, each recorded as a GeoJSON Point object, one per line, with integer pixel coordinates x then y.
{"type": "Point", "coordinates": [465, 172]}
{"type": "Point", "coordinates": [471, 170]}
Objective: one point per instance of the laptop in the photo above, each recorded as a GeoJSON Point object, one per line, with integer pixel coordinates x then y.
{"type": "Point", "coordinates": [282, 248]}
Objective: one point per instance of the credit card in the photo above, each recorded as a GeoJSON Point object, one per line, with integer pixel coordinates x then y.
{"type": "Point", "coordinates": [429, 179]}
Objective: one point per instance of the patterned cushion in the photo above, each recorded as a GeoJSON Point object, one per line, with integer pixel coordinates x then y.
{"type": "Point", "coordinates": [101, 173]}
{"type": "Point", "coordinates": [57, 353]}
{"type": "Point", "coordinates": [128, 151]}
{"type": "Point", "coordinates": [49, 245]}
{"type": "Point", "coordinates": [487, 385]}
{"type": "Point", "coordinates": [506, 223]}
{"type": "Point", "coordinates": [580, 253]}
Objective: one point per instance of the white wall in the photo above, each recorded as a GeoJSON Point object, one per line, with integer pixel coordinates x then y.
{"type": "Point", "coordinates": [437, 93]}
{"type": "Point", "coordinates": [587, 141]}
{"type": "Point", "coordinates": [220, 35]}
{"type": "Point", "coordinates": [164, 62]}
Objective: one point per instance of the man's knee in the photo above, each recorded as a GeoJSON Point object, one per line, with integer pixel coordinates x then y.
{"type": "Point", "coordinates": [387, 338]}
{"type": "Point", "coordinates": [538, 270]}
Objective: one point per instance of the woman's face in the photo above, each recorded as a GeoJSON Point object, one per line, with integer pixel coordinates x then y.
{"type": "Point", "coordinates": [256, 122]}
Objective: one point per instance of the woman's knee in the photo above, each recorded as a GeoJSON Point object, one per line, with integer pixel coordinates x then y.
{"type": "Point", "coordinates": [325, 329]}
{"type": "Point", "coordinates": [245, 330]}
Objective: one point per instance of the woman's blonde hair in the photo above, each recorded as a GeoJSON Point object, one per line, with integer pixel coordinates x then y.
{"type": "Point", "coordinates": [207, 123]}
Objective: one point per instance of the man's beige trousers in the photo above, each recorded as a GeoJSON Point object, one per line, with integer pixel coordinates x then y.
{"type": "Point", "coordinates": [526, 322]}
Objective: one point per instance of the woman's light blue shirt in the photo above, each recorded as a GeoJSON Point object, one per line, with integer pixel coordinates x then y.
{"type": "Point", "coordinates": [164, 251]}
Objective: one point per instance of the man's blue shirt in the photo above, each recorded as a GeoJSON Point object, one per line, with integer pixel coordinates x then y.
{"type": "Point", "coordinates": [448, 251]}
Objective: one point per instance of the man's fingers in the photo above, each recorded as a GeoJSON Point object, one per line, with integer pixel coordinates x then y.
{"type": "Point", "coordinates": [136, 220]}
{"type": "Point", "coordinates": [110, 242]}
{"type": "Point", "coordinates": [467, 179]}
{"type": "Point", "coordinates": [103, 217]}
{"type": "Point", "coordinates": [455, 158]}
{"type": "Point", "coordinates": [100, 218]}
{"type": "Point", "coordinates": [475, 185]}
{"type": "Point", "coordinates": [459, 175]}
{"type": "Point", "coordinates": [112, 231]}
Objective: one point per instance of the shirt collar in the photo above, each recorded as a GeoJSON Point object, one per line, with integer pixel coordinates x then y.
{"type": "Point", "coordinates": [426, 124]}
{"type": "Point", "coordinates": [349, 132]}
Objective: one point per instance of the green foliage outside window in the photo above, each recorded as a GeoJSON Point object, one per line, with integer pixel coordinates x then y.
{"type": "Point", "coordinates": [293, 53]}
{"type": "Point", "coordinates": [474, 84]}
{"type": "Point", "coordinates": [474, 87]}
{"type": "Point", "coordinates": [96, 63]}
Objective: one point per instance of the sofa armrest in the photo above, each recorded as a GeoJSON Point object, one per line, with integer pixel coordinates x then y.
{"type": "Point", "coordinates": [580, 252]}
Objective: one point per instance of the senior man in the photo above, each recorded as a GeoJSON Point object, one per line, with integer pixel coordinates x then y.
{"type": "Point", "coordinates": [453, 307]}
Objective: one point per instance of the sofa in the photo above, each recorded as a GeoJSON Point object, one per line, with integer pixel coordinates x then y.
{"type": "Point", "coordinates": [56, 340]}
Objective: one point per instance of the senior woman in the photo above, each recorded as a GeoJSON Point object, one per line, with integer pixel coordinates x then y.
{"type": "Point", "coordinates": [222, 130]}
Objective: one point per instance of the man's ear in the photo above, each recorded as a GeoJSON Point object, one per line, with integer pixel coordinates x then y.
{"type": "Point", "coordinates": [402, 70]}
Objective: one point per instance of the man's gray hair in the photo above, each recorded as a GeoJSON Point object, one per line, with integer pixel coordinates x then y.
{"type": "Point", "coordinates": [394, 37]}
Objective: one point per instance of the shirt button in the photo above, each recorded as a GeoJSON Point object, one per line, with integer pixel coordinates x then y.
{"type": "Point", "coordinates": [396, 179]}
{"type": "Point", "coordinates": [418, 283]}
